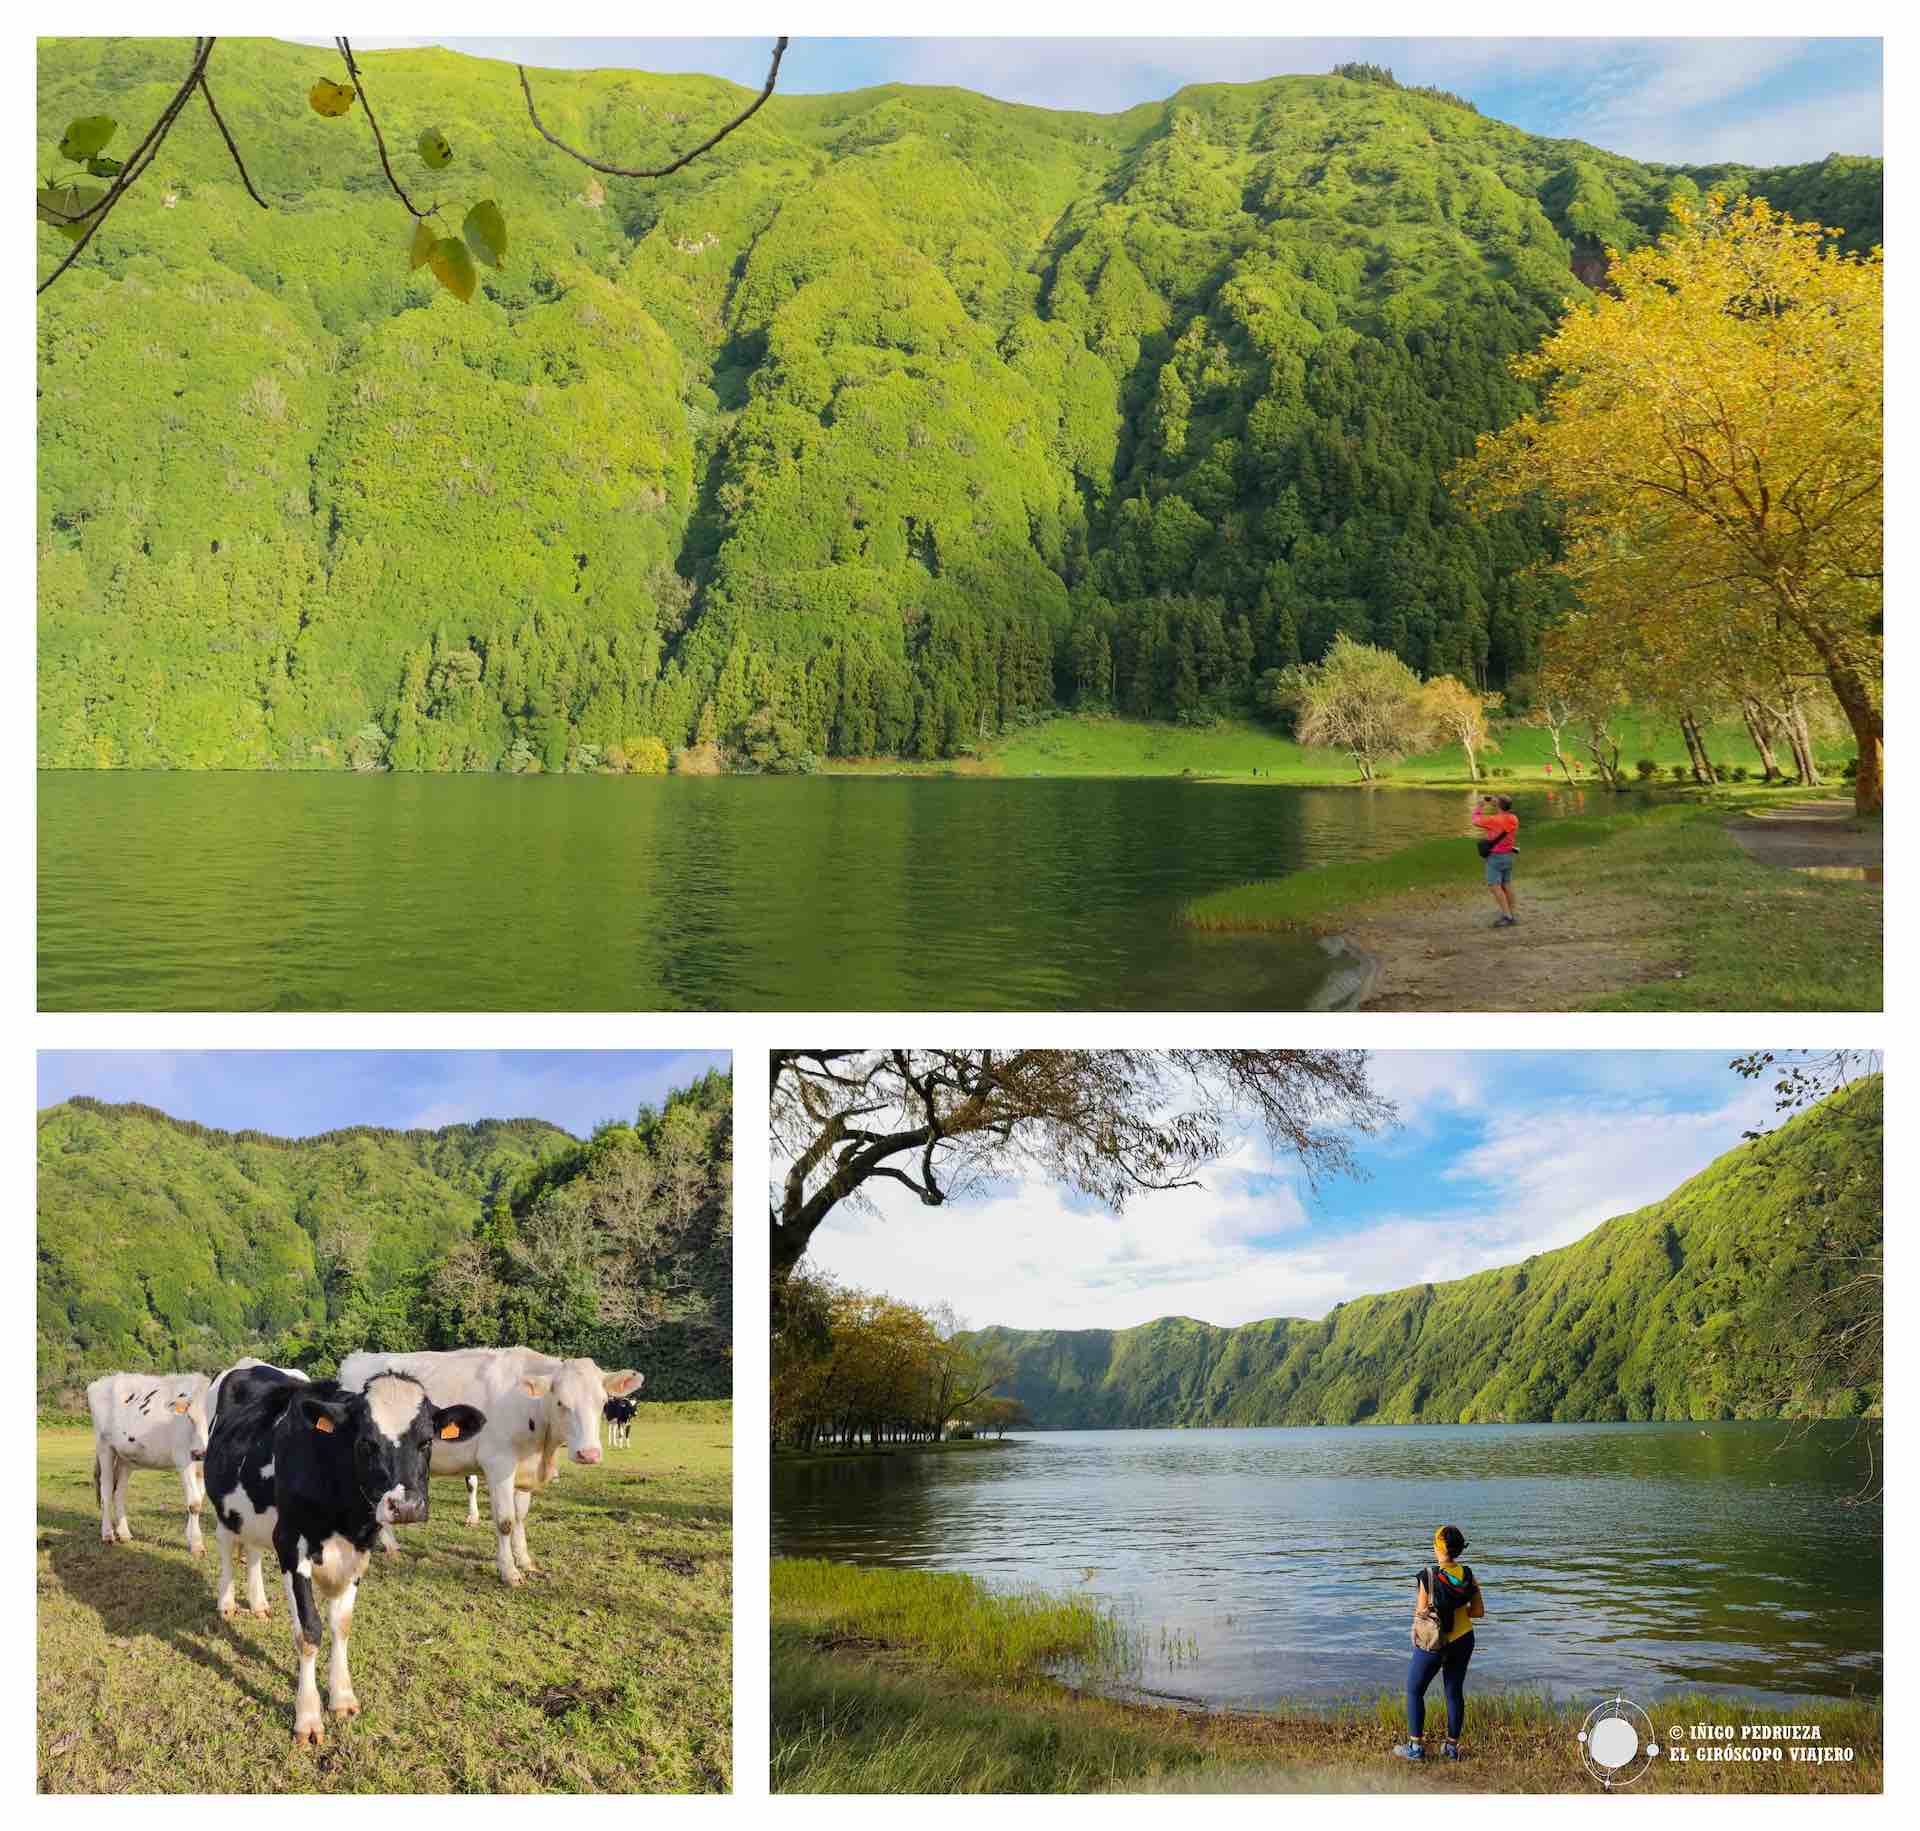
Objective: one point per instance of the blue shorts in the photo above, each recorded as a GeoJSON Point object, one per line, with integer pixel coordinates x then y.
{"type": "Point", "coordinates": [1499, 867]}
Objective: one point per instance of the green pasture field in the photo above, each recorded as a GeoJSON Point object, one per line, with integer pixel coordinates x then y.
{"type": "Point", "coordinates": [608, 1672]}
{"type": "Point", "coordinates": [1072, 745]}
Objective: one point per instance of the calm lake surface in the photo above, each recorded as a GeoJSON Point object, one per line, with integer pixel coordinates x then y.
{"type": "Point", "coordinates": [404, 892]}
{"type": "Point", "coordinates": [1648, 1558]}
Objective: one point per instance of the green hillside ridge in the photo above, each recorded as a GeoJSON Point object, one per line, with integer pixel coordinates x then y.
{"type": "Point", "coordinates": [1682, 1310]}
{"type": "Point", "coordinates": [167, 1244]}
{"type": "Point", "coordinates": [903, 418]}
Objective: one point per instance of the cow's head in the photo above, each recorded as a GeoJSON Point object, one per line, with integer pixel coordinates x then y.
{"type": "Point", "coordinates": [190, 1402]}
{"type": "Point", "coordinates": [576, 1398]}
{"type": "Point", "coordinates": [388, 1431]}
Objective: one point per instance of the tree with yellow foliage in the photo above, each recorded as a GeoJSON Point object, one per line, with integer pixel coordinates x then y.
{"type": "Point", "coordinates": [1712, 432]}
{"type": "Point", "coordinates": [1459, 712]}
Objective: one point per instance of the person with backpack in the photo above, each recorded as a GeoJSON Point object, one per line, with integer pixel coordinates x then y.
{"type": "Point", "coordinates": [1499, 840]}
{"type": "Point", "coordinates": [1446, 1604]}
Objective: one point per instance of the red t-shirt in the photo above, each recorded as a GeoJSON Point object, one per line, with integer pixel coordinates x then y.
{"type": "Point", "coordinates": [1504, 827]}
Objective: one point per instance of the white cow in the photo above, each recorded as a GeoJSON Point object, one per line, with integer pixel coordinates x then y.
{"type": "Point", "coordinates": [148, 1421]}
{"type": "Point", "coordinates": [537, 1408]}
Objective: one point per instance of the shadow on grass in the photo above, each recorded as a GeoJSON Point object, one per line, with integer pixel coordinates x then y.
{"type": "Point", "coordinates": [136, 1590]}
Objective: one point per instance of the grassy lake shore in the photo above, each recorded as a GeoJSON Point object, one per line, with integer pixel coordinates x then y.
{"type": "Point", "coordinates": [1662, 910]}
{"type": "Point", "coordinates": [1242, 750]}
{"type": "Point", "coordinates": [900, 1681]}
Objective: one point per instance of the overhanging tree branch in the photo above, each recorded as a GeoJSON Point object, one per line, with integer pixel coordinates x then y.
{"type": "Point", "coordinates": [238, 163]}
{"type": "Point", "coordinates": [379, 139]}
{"type": "Point", "coordinates": [685, 159]}
{"type": "Point", "coordinates": [137, 162]}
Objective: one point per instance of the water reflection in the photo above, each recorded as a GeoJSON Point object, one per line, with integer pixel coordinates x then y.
{"type": "Point", "coordinates": [1657, 1558]}
{"type": "Point", "coordinates": [338, 892]}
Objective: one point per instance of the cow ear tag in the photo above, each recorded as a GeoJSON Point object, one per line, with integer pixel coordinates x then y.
{"type": "Point", "coordinates": [181, 1405]}
{"type": "Point", "coordinates": [449, 1431]}
{"type": "Point", "coordinates": [322, 1422]}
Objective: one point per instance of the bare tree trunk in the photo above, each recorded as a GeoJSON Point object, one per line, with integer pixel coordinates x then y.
{"type": "Point", "coordinates": [1802, 741]}
{"type": "Point", "coordinates": [1756, 716]}
{"type": "Point", "coordinates": [1854, 692]}
{"type": "Point", "coordinates": [1697, 750]}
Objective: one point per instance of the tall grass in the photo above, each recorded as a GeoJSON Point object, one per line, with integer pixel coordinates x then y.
{"type": "Point", "coordinates": [972, 1632]}
{"type": "Point", "coordinates": [1322, 892]}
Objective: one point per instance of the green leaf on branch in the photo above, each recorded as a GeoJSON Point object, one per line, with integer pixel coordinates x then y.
{"type": "Point", "coordinates": [435, 153]}
{"type": "Point", "coordinates": [87, 136]}
{"type": "Point", "coordinates": [423, 242]}
{"type": "Point", "coordinates": [105, 168]}
{"type": "Point", "coordinates": [330, 98]}
{"type": "Point", "coordinates": [64, 207]}
{"type": "Point", "coordinates": [485, 231]}
{"type": "Point", "coordinates": [453, 267]}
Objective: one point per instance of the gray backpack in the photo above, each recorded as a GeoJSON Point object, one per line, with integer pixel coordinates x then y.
{"type": "Point", "coordinates": [1433, 1619]}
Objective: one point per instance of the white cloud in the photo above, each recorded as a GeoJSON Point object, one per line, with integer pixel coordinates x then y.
{"type": "Point", "coordinates": [1534, 1177]}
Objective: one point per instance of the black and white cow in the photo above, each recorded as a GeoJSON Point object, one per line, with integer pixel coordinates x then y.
{"type": "Point", "coordinates": [245, 1379]}
{"type": "Point", "coordinates": [619, 1417]}
{"type": "Point", "coordinates": [316, 1472]}
{"type": "Point", "coordinates": [147, 1421]}
{"type": "Point", "coordinates": [538, 1410]}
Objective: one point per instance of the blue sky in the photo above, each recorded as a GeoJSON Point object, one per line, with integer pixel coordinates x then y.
{"type": "Point", "coordinates": [1499, 1155]}
{"type": "Point", "coordinates": [295, 1093]}
{"type": "Point", "coordinates": [1765, 101]}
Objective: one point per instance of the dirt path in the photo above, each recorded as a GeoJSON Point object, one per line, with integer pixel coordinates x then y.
{"type": "Point", "coordinates": [1436, 950]}
{"type": "Point", "coordinates": [1811, 835]}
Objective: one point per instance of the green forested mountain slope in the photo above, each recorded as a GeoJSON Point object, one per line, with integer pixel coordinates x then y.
{"type": "Point", "coordinates": [162, 1243]}
{"type": "Point", "coordinates": [1679, 1311]}
{"type": "Point", "coordinates": [903, 416]}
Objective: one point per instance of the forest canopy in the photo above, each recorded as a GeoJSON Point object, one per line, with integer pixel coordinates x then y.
{"type": "Point", "coordinates": [899, 419]}
{"type": "Point", "coordinates": [164, 1244]}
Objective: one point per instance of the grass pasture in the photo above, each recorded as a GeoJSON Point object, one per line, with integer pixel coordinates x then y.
{"type": "Point", "coordinates": [1233, 748]}
{"type": "Point", "coordinates": [611, 1672]}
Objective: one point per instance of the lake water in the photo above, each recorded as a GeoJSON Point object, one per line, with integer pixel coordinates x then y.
{"type": "Point", "coordinates": [495, 893]}
{"type": "Point", "coordinates": [1647, 1558]}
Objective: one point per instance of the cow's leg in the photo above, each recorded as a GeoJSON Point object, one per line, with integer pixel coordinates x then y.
{"type": "Point", "coordinates": [389, 1541]}
{"type": "Point", "coordinates": [224, 1600]}
{"type": "Point", "coordinates": [500, 1493]}
{"type": "Point", "coordinates": [473, 1500]}
{"type": "Point", "coordinates": [190, 1481]}
{"type": "Point", "coordinates": [305, 1620]}
{"type": "Point", "coordinates": [522, 1500]}
{"type": "Point", "coordinates": [256, 1583]}
{"type": "Point", "coordinates": [106, 1469]}
{"type": "Point", "coordinates": [340, 1698]}
{"type": "Point", "coordinates": [121, 1530]}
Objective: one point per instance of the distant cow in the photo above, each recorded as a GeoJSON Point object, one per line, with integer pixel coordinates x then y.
{"type": "Point", "coordinates": [537, 1408]}
{"type": "Point", "coordinates": [245, 1379]}
{"type": "Point", "coordinates": [619, 1417]}
{"type": "Point", "coordinates": [317, 1472]}
{"type": "Point", "coordinates": [148, 1421]}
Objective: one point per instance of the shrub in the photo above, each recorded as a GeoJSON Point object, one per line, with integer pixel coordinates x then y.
{"type": "Point", "coordinates": [1646, 769]}
{"type": "Point", "coordinates": [1851, 771]}
{"type": "Point", "coordinates": [1679, 771]}
{"type": "Point", "coordinates": [1738, 772]}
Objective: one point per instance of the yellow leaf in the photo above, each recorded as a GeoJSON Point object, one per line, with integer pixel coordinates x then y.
{"type": "Point", "coordinates": [330, 98]}
{"type": "Point", "coordinates": [453, 267]}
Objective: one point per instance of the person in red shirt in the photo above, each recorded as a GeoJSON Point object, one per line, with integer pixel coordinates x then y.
{"type": "Point", "coordinates": [1497, 820]}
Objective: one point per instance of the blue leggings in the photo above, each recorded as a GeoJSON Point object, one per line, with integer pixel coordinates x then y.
{"type": "Point", "coordinates": [1450, 1662]}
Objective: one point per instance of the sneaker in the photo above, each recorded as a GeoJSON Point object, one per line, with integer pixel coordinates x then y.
{"type": "Point", "coordinates": [1450, 1751]}
{"type": "Point", "coordinates": [1410, 1751]}
{"type": "Point", "coordinates": [1498, 922]}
